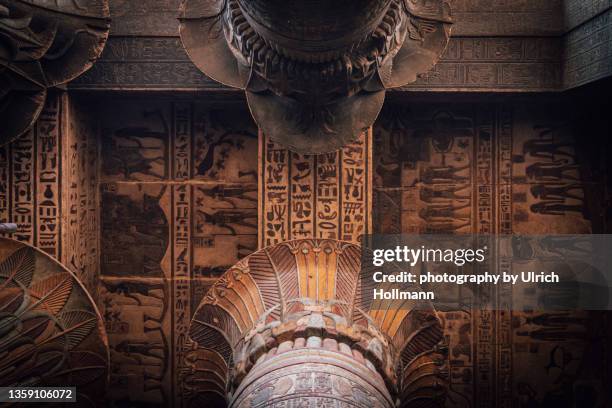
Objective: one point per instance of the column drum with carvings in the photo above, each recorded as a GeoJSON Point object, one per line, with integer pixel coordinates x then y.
{"type": "Point", "coordinates": [312, 372]}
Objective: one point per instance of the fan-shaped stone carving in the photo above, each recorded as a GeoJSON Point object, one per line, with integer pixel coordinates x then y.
{"type": "Point", "coordinates": [51, 333]}
{"type": "Point", "coordinates": [288, 323]}
{"type": "Point", "coordinates": [44, 43]}
{"type": "Point", "coordinates": [315, 72]}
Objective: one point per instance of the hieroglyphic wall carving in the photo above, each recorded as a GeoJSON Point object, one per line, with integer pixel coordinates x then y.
{"type": "Point", "coordinates": [21, 169]}
{"type": "Point", "coordinates": [508, 17]}
{"type": "Point", "coordinates": [498, 168]}
{"type": "Point", "coordinates": [179, 206]}
{"type": "Point", "coordinates": [135, 291]}
{"type": "Point", "coordinates": [320, 196]}
{"type": "Point", "coordinates": [149, 17]}
{"type": "Point", "coordinates": [80, 198]}
{"type": "Point", "coordinates": [477, 63]}
{"type": "Point", "coordinates": [22, 166]}
{"type": "Point", "coordinates": [496, 64]}
{"type": "Point", "coordinates": [181, 236]}
{"type": "Point", "coordinates": [577, 12]}
{"type": "Point", "coordinates": [474, 17]}
{"type": "Point", "coordinates": [588, 50]}
{"type": "Point", "coordinates": [48, 187]}
{"type": "Point", "coordinates": [47, 138]}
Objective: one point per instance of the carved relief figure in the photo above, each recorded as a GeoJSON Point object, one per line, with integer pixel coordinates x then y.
{"type": "Point", "coordinates": [136, 232]}
{"type": "Point", "coordinates": [133, 151]}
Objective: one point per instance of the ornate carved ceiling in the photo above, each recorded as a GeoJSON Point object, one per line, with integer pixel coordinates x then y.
{"type": "Point", "coordinates": [44, 43]}
{"type": "Point", "coordinates": [315, 72]}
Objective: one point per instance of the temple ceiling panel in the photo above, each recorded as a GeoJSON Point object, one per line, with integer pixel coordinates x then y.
{"type": "Point", "coordinates": [220, 259]}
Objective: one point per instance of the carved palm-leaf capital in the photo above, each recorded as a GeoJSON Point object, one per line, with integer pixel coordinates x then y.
{"type": "Point", "coordinates": [315, 72]}
{"type": "Point", "coordinates": [44, 43]}
{"type": "Point", "coordinates": [298, 312]}
{"type": "Point", "coordinates": [52, 333]}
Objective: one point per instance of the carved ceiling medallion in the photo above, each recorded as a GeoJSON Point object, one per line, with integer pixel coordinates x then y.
{"type": "Point", "coordinates": [44, 43]}
{"type": "Point", "coordinates": [314, 71]}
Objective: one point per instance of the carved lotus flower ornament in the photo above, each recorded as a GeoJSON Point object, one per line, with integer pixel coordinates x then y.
{"type": "Point", "coordinates": [315, 72]}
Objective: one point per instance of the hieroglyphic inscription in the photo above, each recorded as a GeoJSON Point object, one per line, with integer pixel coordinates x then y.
{"type": "Point", "coordinates": [182, 141]}
{"type": "Point", "coordinates": [527, 179]}
{"type": "Point", "coordinates": [484, 223]}
{"type": "Point", "coordinates": [149, 75]}
{"type": "Point", "coordinates": [577, 12]}
{"type": "Point", "coordinates": [355, 189]}
{"type": "Point", "coordinates": [303, 175]}
{"type": "Point", "coordinates": [322, 196]}
{"type": "Point", "coordinates": [47, 133]}
{"type": "Point", "coordinates": [181, 240]}
{"type": "Point", "coordinates": [489, 51]}
{"type": "Point", "coordinates": [80, 206]}
{"type": "Point", "coordinates": [474, 63]}
{"type": "Point", "coordinates": [327, 202]}
{"type": "Point", "coordinates": [48, 186]}
{"type": "Point", "coordinates": [22, 184]}
{"type": "Point", "coordinates": [503, 151]}
{"type": "Point", "coordinates": [179, 206]}
{"type": "Point", "coordinates": [274, 192]}
{"type": "Point", "coordinates": [181, 255]}
{"type": "Point", "coordinates": [588, 51]}
{"type": "Point", "coordinates": [152, 17]}
{"type": "Point", "coordinates": [484, 172]}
